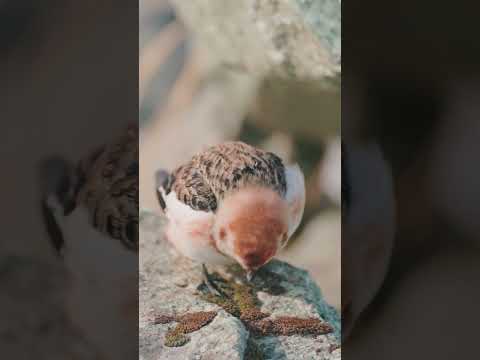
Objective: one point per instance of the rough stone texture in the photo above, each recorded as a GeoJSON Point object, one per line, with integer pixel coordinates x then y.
{"type": "Point", "coordinates": [324, 17]}
{"type": "Point", "coordinates": [293, 38]}
{"type": "Point", "coordinates": [318, 249]}
{"type": "Point", "coordinates": [168, 286]}
{"type": "Point", "coordinates": [34, 322]}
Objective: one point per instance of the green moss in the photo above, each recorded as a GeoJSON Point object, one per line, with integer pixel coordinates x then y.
{"type": "Point", "coordinates": [187, 323]}
{"type": "Point", "coordinates": [176, 337]}
{"type": "Point", "coordinates": [227, 304]}
{"type": "Point", "coordinates": [288, 326]}
{"type": "Point", "coordinates": [244, 297]}
{"type": "Point", "coordinates": [191, 322]}
{"type": "Point", "coordinates": [241, 301]}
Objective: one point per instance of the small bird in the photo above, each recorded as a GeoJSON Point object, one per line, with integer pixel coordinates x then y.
{"type": "Point", "coordinates": [105, 183]}
{"type": "Point", "coordinates": [91, 214]}
{"type": "Point", "coordinates": [231, 203]}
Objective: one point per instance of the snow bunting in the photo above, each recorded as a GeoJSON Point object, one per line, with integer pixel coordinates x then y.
{"type": "Point", "coordinates": [105, 183]}
{"type": "Point", "coordinates": [368, 227]}
{"type": "Point", "coordinates": [91, 215]}
{"type": "Point", "coordinates": [232, 203]}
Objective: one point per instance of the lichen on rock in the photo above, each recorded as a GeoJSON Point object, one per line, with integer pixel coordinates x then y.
{"type": "Point", "coordinates": [281, 315]}
{"type": "Point", "coordinates": [288, 38]}
{"type": "Point", "coordinates": [187, 323]}
{"type": "Point", "coordinates": [241, 302]}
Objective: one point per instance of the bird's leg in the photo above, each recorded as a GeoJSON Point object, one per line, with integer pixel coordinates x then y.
{"type": "Point", "coordinates": [210, 283]}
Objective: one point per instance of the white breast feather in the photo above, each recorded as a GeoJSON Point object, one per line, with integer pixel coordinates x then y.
{"type": "Point", "coordinates": [182, 219]}
{"type": "Point", "coordinates": [295, 196]}
{"type": "Point", "coordinates": [104, 284]}
{"type": "Point", "coordinates": [179, 213]}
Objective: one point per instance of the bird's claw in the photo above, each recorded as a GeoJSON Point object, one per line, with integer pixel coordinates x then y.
{"type": "Point", "coordinates": [209, 282]}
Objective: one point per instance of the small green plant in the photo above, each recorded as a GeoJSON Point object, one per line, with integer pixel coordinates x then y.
{"type": "Point", "coordinates": [240, 301]}
{"type": "Point", "coordinates": [187, 323]}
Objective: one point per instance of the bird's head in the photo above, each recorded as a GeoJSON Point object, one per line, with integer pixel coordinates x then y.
{"type": "Point", "coordinates": [251, 226]}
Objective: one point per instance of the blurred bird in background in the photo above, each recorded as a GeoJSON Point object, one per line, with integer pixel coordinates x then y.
{"type": "Point", "coordinates": [65, 92]}
{"type": "Point", "coordinates": [420, 104]}
{"type": "Point", "coordinates": [91, 214]}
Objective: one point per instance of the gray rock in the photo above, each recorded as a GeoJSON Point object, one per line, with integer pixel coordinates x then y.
{"type": "Point", "coordinates": [168, 285]}
{"type": "Point", "coordinates": [318, 248]}
{"type": "Point", "coordinates": [324, 18]}
{"type": "Point", "coordinates": [292, 38]}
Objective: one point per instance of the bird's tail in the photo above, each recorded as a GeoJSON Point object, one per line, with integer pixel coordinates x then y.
{"type": "Point", "coordinates": [162, 178]}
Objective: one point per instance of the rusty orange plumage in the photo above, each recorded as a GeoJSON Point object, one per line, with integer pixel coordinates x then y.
{"type": "Point", "coordinates": [232, 203]}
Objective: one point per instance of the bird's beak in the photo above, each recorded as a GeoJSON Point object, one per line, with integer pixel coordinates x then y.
{"type": "Point", "coordinates": [250, 275]}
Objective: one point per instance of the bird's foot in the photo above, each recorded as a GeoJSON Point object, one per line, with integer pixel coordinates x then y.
{"type": "Point", "coordinates": [209, 282]}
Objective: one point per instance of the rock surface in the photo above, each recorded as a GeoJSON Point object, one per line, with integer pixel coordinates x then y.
{"type": "Point", "coordinates": [318, 248]}
{"type": "Point", "coordinates": [291, 38]}
{"type": "Point", "coordinates": [168, 287]}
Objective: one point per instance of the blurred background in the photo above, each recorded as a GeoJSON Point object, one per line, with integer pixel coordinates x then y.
{"type": "Point", "coordinates": [186, 104]}
{"type": "Point", "coordinates": [69, 80]}
{"type": "Point", "coordinates": [412, 84]}
{"type": "Point", "coordinates": [64, 90]}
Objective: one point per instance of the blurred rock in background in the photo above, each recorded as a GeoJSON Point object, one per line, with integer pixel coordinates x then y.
{"type": "Point", "coordinates": [196, 92]}
{"type": "Point", "coordinates": [413, 86]}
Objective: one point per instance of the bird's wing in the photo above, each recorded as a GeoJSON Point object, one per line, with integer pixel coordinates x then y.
{"type": "Point", "coordinates": [189, 187]}
{"type": "Point", "coordinates": [189, 211]}
{"type": "Point", "coordinates": [233, 165]}
{"type": "Point", "coordinates": [205, 180]}
{"type": "Point", "coordinates": [109, 188]}
{"type": "Point", "coordinates": [295, 196]}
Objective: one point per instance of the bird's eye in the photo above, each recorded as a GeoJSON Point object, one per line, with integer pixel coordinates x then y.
{"type": "Point", "coordinates": [222, 233]}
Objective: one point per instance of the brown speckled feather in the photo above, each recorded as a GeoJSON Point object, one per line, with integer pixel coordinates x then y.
{"type": "Point", "coordinates": [108, 187]}
{"type": "Point", "coordinates": [205, 180]}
